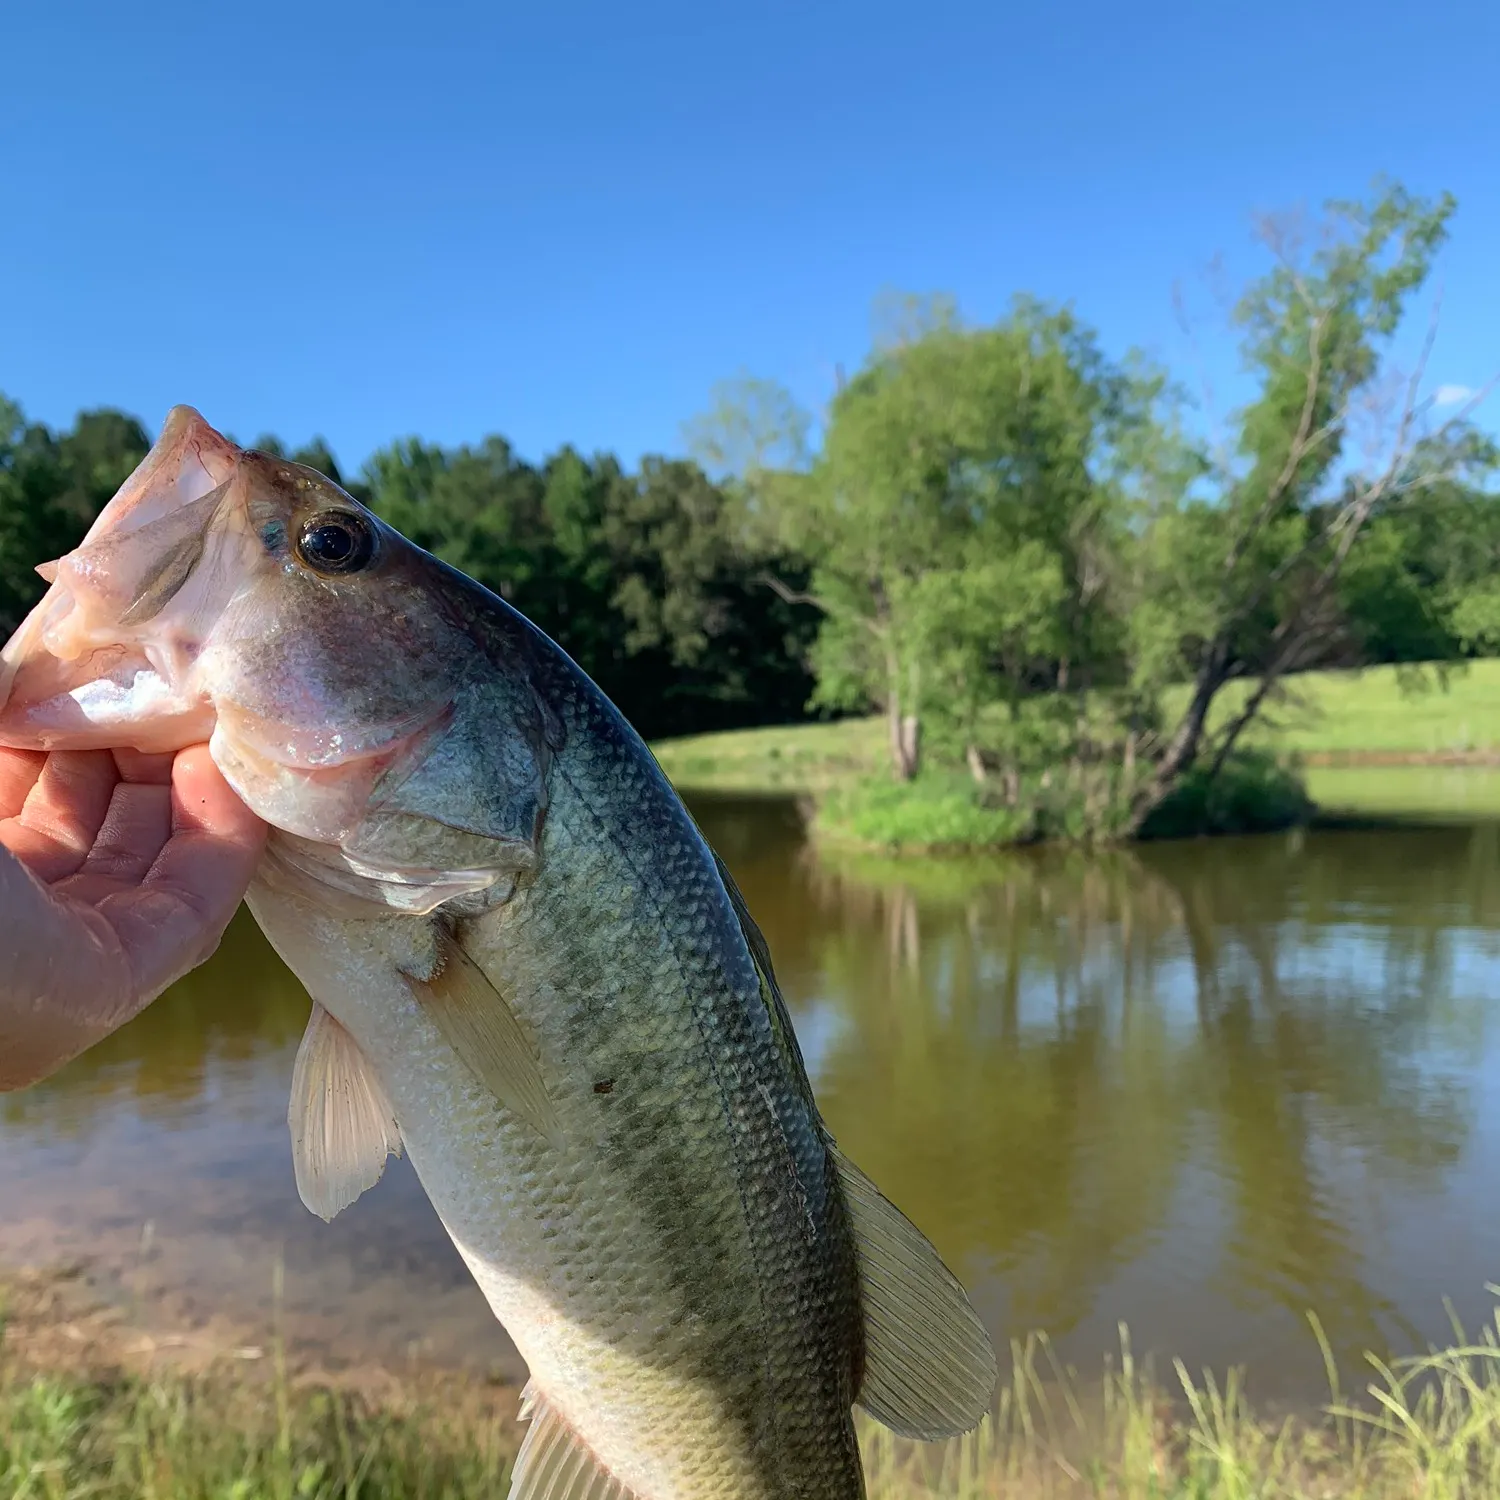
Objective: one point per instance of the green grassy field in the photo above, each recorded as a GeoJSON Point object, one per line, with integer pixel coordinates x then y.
{"type": "Point", "coordinates": [1435, 794]}
{"type": "Point", "coordinates": [1333, 715]}
{"type": "Point", "coordinates": [1367, 713]}
{"type": "Point", "coordinates": [1428, 1430]}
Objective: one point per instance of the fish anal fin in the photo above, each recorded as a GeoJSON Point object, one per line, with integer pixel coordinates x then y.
{"type": "Point", "coordinates": [930, 1368]}
{"type": "Point", "coordinates": [555, 1463]}
{"type": "Point", "coordinates": [479, 1024]}
{"type": "Point", "coordinates": [342, 1124]}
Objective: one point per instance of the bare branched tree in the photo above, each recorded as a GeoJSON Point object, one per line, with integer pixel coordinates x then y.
{"type": "Point", "coordinates": [1282, 539]}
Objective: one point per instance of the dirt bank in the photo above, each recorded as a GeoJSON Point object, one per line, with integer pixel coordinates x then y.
{"type": "Point", "coordinates": [72, 1321]}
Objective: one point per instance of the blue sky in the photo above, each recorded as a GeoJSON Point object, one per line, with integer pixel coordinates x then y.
{"type": "Point", "coordinates": [565, 222]}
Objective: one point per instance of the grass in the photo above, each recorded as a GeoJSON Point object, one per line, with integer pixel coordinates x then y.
{"type": "Point", "coordinates": [794, 758]}
{"type": "Point", "coordinates": [936, 811]}
{"type": "Point", "coordinates": [1435, 793]}
{"type": "Point", "coordinates": [945, 812]}
{"type": "Point", "coordinates": [172, 1439]}
{"type": "Point", "coordinates": [1367, 713]}
{"type": "Point", "coordinates": [1425, 1429]}
{"type": "Point", "coordinates": [1331, 716]}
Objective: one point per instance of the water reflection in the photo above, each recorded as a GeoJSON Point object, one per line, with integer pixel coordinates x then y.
{"type": "Point", "coordinates": [1203, 1087]}
{"type": "Point", "coordinates": [1199, 1087]}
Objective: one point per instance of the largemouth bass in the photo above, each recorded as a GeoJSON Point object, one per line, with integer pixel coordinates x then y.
{"type": "Point", "coordinates": [528, 969]}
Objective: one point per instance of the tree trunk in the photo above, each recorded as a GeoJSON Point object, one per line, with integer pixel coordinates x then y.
{"type": "Point", "coordinates": [905, 737]}
{"type": "Point", "coordinates": [911, 746]}
{"type": "Point", "coordinates": [900, 728]}
{"type": "Point", "coordinates": [899, 765]}
{"type": "Point", "coordinates": [1183, 749]}
{"type": "Point", "coordinates": [976, 764]}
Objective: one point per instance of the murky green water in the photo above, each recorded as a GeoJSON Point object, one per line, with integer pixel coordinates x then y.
{"type": "Point", "coordinates": [1202, 1088]}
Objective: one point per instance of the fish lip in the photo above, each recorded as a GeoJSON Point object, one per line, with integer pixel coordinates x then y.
{"type": "Point", "coordinates": [184, 430]}
{"type": "Point", "coordinates": [56, 603]}
{"type": "Point", "coordinates": [320, 749]}
{"type": "Point", "coordinates": [83, 717]}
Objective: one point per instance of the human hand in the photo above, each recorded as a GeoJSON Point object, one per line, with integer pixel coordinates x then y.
{"type": "Point", "coordinates": [118, 874]}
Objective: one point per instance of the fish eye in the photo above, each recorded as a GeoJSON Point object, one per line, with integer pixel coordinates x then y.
{"type": "Point", "coordinates": [336, 542]}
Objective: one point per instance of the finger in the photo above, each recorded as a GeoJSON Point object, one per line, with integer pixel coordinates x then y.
{"type": "Point", "coordinates": [138, 766]}
{"type": "Point", "coordinates": [203, 802]}
{"type": "Point", "coordinates": [64, 982]}
{"type": "Point", "coordinates": [63, 812]}
{"type": "Point", "coordinates": [19, 770]}
{"type": "Point", "coordinates": [132, 836]}
{"type": "Point", "coordinates": [175, 919]}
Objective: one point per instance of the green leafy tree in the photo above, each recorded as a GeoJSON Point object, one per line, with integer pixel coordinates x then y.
{"type": "Point", "coordinates": [51, 488]}
{"type": "Point", "coordinates": [959, 518]}
{"type": "Point", "coordinates": [648, 580]}
{"type": "Point", "coordinates": [688, 581]}
{"type": "Point", "coordinates": [1421, 585]}
{"type": "Point", "coordinates": [1243, 581]}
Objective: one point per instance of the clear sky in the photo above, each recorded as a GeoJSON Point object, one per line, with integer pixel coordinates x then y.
{"type": "Point", "coordinates": [566, 221]}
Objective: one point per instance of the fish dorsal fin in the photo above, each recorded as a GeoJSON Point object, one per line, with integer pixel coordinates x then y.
{"type": "Point", "coordinates": [930, 1370]}
{"type": "Point", "coordinates": [555, 1463]}
{"type": "Point", "coordinates": [760, 953]}
{"type": "Point", "coordinates": [755, 939]}
{"type": "Point", "coordinates": [342, 1124]}
{"type": "Point", "coordinates": [478, 1023]}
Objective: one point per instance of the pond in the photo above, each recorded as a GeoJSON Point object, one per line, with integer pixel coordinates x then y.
{"type": "Point", "coordinates": [1201, 1088]}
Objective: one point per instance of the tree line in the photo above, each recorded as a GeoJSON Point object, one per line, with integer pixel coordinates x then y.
{"type": "Point", "coordinates": [1017, 548]}
{"type": "Point", "coordinates": [636, 574]}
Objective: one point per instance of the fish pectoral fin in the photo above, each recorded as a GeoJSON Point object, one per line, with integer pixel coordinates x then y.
{"type": "Point", "coordinates": [477, 1021]}
{"type": "Point", "coordinates": [555, 1463]}
{"type": "Point", "coordinates": [930, 1368]}
{"type": "Point", "coordinates": [342, 1124]}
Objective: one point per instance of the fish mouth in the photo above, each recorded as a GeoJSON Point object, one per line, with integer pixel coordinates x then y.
{"type": "Point", "coordinates": [106, 659]}
{"type": "Point", "coordinates": [111, 699]}
{"type": "Point", "coordinates": [276, 743]}
{"type": "Point", "coordinates": [185, 617]}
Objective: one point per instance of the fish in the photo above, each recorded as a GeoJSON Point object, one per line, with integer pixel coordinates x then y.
{"type": "Point", "coordinates": [529, 971]}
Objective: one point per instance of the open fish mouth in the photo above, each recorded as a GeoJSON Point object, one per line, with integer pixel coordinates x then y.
{"type": "Point", "coordinates": [107, 658]}
{"type": "Point", "coordinates": [187, 609]}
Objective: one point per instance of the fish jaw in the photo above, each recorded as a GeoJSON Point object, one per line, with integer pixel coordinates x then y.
{"type": "Point", "coordinates": [107, 659]}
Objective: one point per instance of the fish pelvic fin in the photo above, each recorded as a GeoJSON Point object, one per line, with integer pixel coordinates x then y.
{"type": "Point", "coordinates": [930, 1368]}
{"type": "Point", "coordinates": [555, 1463]}
{"type": "Point", "coordinates": [479, 1024]}
{"type": "Point", "coordinates": [343, 1127]}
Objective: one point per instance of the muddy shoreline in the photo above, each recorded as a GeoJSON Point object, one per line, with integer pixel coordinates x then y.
{"type": "Point", "coordinates": [84, 1322]}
